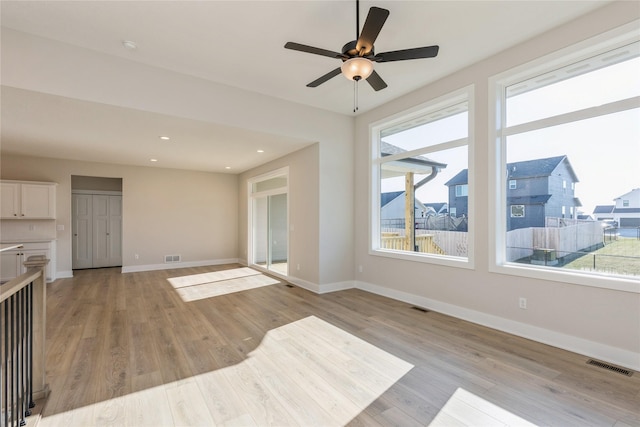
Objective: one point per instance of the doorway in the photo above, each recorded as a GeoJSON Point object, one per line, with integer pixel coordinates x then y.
{"type": "Point", "coordinates": [96, 222]}
{"type": "Point", "coordinates": [269, 222]}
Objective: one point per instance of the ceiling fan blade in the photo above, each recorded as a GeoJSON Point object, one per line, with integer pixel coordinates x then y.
{"type": "Point", "coordinates": [329, 75]}
{"type": "Point", "coordinates": [372, 26]}
{"type": "Point", "coordinates": [405, 54]}
{"type": "Point", "coordinates": [314, 50]}
{"type": "Point", "coordinates": [376, 81]}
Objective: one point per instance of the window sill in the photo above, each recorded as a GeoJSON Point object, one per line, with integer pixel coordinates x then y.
{"type": "Point", "coordinates": [574, 277]}
{"type": "Point", "coordinates": [449, 261]}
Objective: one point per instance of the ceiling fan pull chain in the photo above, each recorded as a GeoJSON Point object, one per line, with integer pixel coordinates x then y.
{"type": "Point", "coordinates": [355, 96]}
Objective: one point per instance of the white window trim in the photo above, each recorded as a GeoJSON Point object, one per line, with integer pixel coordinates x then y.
{"type": "Point", "coordinates": [465, 94]}
{"type": "Point", "coordinates": [497, 156]}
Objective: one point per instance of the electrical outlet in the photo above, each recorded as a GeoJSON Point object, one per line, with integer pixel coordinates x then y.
{"type": "Point", "coordinates": [360, 268]}
{"type": "Point", "coordinates": [523, 303]}
{"type": "Point", "coordinates": [298, 267]}
{"type": "Point", "coordinates": [137, 256]}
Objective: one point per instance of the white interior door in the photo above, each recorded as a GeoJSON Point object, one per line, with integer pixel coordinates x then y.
{"type": "Point", "coordinates": [97, 230]}
{"type": "Point", "coordinates": [82, 229]}
{"type": "Point", "coordinates": [115, 230]}
{"type": "Point", "coordinates": [100, 231]}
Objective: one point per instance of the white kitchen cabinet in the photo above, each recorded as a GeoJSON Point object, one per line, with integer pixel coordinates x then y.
{"type": "Point", "coordinates": [27, 200]}
{"type": "Point", "coordinates": [12, 261]}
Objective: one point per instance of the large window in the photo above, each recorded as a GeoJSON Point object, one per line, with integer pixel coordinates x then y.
{"type": "Point", "coordinates": [422, 185]}
{"type": "Point", "coordinates": [569, 134]}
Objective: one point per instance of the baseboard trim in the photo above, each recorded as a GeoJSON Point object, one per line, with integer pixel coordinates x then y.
{"type": "Point", "coordinates": [304, 284]}
{"type": "Point", "coordinates": [614, 355]}
{"type": "Point", "coordinates": [171, 266]}
{"type": "Point", "coordinates": [64, 274]}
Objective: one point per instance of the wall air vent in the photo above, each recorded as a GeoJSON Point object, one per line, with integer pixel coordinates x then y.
{"type": "Point", "coordinates": [171, 258]}
{"type": "Point", "coordinates": [613, 368]}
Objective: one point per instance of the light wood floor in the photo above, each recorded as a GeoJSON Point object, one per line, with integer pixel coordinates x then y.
{"type": "Point", "coordinates": [126, 349]}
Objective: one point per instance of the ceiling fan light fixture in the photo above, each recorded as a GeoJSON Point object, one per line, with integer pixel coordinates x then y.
{"type": "Point", "coordinates": [357, 68]}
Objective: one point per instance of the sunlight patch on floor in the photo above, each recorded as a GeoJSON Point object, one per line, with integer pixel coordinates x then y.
{"type": "Point", "coordinates": [213, 276]}
{"type": "Point", "coordinates": [467, 409]}
{"type": "Point", "coordinates": [308, 372]}
{"type": "Point", "coordinates": [208, 285]}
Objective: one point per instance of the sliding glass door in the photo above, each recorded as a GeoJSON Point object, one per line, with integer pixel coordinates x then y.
{"type": "Point", "coordinates": [269, 236]}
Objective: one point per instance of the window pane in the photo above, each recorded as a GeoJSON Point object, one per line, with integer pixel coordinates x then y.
{"type": "Point", "coordinates": [552, 223]}
{"type": "Point", "coordinates": [270, 184]}
{"type": "Point", "coordinates": [589, 83]}
{"type": "Point", "coordinates": [448, 125]}
{"type": "Point", "coordinates": [441, 208]}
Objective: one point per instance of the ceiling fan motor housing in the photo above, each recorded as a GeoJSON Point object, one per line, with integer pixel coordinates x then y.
{"type": "Point", "coordinates": [350, 50]}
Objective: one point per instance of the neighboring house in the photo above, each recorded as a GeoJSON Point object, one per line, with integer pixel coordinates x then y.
{"type": "Point", "coordinates": [392, 206]}
{"type": "Point", "coordinates": [440, 208]}
{"type": "Point", "coordinates": [627, 209]}
{"type": "Point", "coordinates": [536, 189]}
{"type": "Point", "coordinates": [602, 212]}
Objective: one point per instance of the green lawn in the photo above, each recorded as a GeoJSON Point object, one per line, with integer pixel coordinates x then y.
{"type": "Point", "coordinates": [618, 257]}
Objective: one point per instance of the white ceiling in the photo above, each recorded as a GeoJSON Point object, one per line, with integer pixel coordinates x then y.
{"type": "Point", "coordinates": [240, 44]}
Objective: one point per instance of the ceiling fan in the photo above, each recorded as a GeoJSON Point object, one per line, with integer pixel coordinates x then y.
{"type": "Point", "coordinates": [358, 55]}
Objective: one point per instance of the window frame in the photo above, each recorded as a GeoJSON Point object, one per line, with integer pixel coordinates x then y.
{"type": "Point", "coordinates": [465, 94]}
{"type": "Point", "coordinates": [462, 190]}
{"type": "Point", "coordinates": [498, 133]}
{"type": "Point", "coordinates": [521, 208]}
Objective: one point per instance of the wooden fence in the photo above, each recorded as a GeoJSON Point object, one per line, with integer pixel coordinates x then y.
{"type": "Point", "coordinates": [582, 236]}
{"type": "Point", "coordinates": [454, 243]}
{"type": "Point", "coordinates": [563, 237]}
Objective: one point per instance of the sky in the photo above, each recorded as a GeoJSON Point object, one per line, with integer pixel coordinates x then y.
{"type": "Point", "coordinates": [604, 151]}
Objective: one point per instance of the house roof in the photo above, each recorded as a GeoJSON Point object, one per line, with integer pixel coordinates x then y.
{"type": "Point", "coordinates": [461, 177]}
{"type": "Point", "coordinates": [628, 194]}
{"type": "Point", "coordinates": [387, 149]}
{"type": "Point", "coordinates": [529, 200]}
{"type": "Point", "coordinates": [385, 198]}
{"type": "Point", "coordinates": [525, 169]}
{"type": "Point", "coordinates": [416, 164]}
{"type": "Point", "coordinates": [538, 168]}
{"type": "Point", "coordinates": [603, 209]}
{"type": "Point", "coordinates": [626, 210]}
{"type": "Point", "coordinates": [436, 206]}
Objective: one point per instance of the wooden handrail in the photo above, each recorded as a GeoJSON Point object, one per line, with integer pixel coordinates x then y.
{"type": "Point", "coordinates": [8, 248]}
{"type": "Point", "coordinates": [14, 285]}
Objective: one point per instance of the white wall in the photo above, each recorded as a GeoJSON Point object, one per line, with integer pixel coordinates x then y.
{"type": "Point", "coordinates": [165, 211]}
{"type": "Point", "coordinates": [304, 213]}
{"type": "Point", "coordinates": [593, 321]}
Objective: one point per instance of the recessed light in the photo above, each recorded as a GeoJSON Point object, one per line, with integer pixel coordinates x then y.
{"type": "Point", "coordinates": [260, 151]}
{"type": "Point", "coordinates": [129, 45]}
{"type": "Point", "coordinates": [165, 138]}
{"type": "Point", "coordinates": [153, 160]}
{"type": "Point", "coordinates": [227, 167]}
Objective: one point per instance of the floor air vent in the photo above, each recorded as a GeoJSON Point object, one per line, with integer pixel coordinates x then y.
{"type": "Point", "coordinates": [424, 310]}
{"type": "Point", "coordinates": [617, 369]}
{"type": "Point", "coordinates": [289, 286]}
